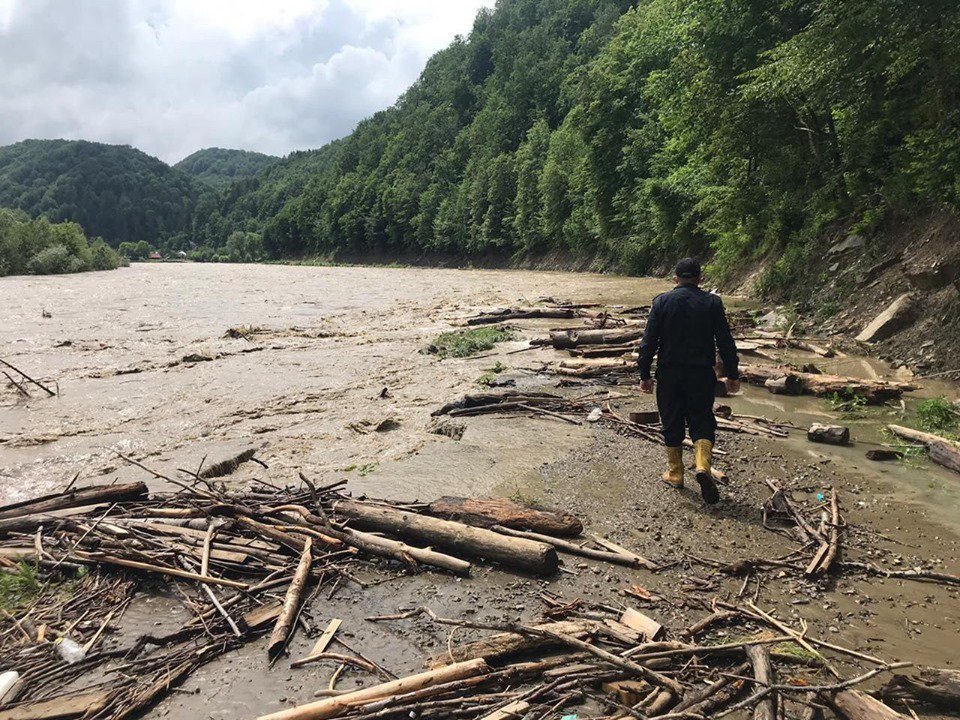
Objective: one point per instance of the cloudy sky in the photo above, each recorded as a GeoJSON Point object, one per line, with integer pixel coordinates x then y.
{"type": "Point", "coordinates": [173, 76]}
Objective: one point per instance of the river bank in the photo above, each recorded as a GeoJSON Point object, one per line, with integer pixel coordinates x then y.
{"type": "Point", "coordinates": [146, 367]}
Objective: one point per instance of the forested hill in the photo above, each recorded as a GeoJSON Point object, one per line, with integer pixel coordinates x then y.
{"type": "Point", "coordinates": [637, 133]}
{"type": "Point", "coordinates": [113, 191]}
{"type": "Point", "coordinates": [218, 167]}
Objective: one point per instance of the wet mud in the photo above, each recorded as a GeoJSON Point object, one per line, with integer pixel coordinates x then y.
{"type": "Point", "coordinates": [145, 366]}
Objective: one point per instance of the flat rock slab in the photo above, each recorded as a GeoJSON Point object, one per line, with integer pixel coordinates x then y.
{"type": "Point", "coordinates": [899, 315]}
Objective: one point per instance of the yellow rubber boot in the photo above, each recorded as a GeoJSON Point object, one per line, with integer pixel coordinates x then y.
{"type": "Point", "coordinates": [703, 451]}
{"type": "Point", "coordinates": [674, 474]}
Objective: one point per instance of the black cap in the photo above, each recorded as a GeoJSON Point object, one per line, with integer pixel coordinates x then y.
{"type": "Point", "coordinates": [688, 268]}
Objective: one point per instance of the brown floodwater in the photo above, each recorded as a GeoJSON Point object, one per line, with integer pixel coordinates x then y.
{"type": "Point", "coordinates": [144, 366]}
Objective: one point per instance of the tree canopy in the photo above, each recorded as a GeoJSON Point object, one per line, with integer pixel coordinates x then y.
{"type": "Point", "coordinates": [218, 167]}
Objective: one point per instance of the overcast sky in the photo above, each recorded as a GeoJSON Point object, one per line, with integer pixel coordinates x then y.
{"type": "Point", "coordinates": [173, 76]}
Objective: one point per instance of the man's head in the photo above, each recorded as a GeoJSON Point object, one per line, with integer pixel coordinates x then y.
{"type": "Point", "coordinates": [688, 272]}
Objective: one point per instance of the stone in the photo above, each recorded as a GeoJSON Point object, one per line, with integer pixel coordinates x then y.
{"type": "Point", "coordinates": [773, 320]}
{"type": "Point", "coordinates": [851, 242]}
{"type": "Point", "coordinates": [935, 276]}
{"type": "Point", "coordinates": [829, 434]}
{"type": "Point", "coordinates": [898, 315]}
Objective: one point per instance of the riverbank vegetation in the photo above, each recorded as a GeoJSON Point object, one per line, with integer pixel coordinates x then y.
{"type": "Point", "coordinates": [634, 134]}
{"type": "Point", "coordinates": [39, 247]}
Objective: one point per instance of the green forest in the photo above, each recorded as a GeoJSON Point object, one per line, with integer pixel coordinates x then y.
{"type": "Point", "coordinates": [610, 132]}
{"type": "Point", "coordinates": [218, 167]}
{"type": "Point", "coordinates": [40, 247]}
{"type": "Point", "coordinates": [633, 134]}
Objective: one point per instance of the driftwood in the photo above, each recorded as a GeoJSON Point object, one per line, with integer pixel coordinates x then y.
{"type": "Point", "coordinates": [829, 434]}
{"type": "Point", "coordinates": [291, 603]}
{"type": "Point", "coordinates": [856, 705]}
{"type": "Point", "coordinates": [523, 314]}
{"type": "Point", "coordinates": [40, 385]}
{"type": "Point", "coordinates": [566, 339]}
{"type": "Point", "coordinates": [935, 686]}
{"type": "Point", "coordinates": [93, 495]}
{"type": "Point", "coordinates": [336, 706]}
{"type": "Point", "coordinates": [941, 451]}
{"type": "Point", "coordinates": [520, 553]}
{"type": "Point", "coordinates": [873, 391]}
{"type": "Point", "coordinates": [487, 512]}
{"type": "Point", "coordinates": [629, 559]}
{"type": "Point", "coordinates": [759, 657]}
{"type": "Point", "coordinates": [502, 644]}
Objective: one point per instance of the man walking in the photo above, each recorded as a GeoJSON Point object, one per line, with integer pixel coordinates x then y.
{"type": "Point", "coordinates": [686, 328]}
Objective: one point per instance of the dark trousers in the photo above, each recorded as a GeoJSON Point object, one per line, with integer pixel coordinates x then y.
{"type": "Point", "coordinates": [685, 398]}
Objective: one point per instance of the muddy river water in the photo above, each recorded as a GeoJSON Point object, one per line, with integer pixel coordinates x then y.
{"type": "Point", "coordinates": [145, 366]}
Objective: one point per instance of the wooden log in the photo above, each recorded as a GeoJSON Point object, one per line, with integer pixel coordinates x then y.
{"type": "Point", "coordinates": [856, 705]}
{"type": "Point", "coordinates": [785, 385]}
{"type": "Point", "coordinates": [336, 706]}
{"type": "Point", "coordinates": [645, 417]}
{"type": "Point", "coordinates": [487, 512]}
{"type": "Point", "coordinates": [291, 602]}
{"type": "Point", "coordinates": [529, 555]}
{"type": "Point", "coordinates": [158, 569]}
{"type": "Point", "coordinates": [873, 391]}
{"type": "Point", "coordinates": [701, 696]}
{"type": "Point", "coordinates": [631, 560]}
{"type": "Point", "coordinates": [494, 647]}
{"type": "Point", "coordinates": [935, 686]}
{"type": "Point", "coordinates": [942, 451]}
{"type": "Point", "coordinates": [759, 657]}
{"type": "Point", "coordinates": [523, 314]}
{"type": "Point", "coordinates": [40, 385]}
{"type": "Point", "coordinates": [58, 707]}
{"type": "Point", "coordinates": [566, 339]}
{"type": "Point", "coordinates": [513, 711]}
{"type": "Point", "coordinates": [92, 495]}
{"type": "Point", "coordinates": [883, 455]}
{"type": "Point", "coordinates": [828, 434]}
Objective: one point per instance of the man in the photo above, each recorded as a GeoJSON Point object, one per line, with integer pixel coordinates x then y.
{"type": "Point", "coordinates": [686, 328]}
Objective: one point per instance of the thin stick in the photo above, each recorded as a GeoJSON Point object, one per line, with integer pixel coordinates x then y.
{"type": "Point", "coordinates": [43, 387]}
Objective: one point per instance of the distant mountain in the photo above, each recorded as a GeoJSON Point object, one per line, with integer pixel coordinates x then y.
{"type": "Point", "coordinates": [114, 191]}
{"type": "Point", "coordinates": [218, 167]}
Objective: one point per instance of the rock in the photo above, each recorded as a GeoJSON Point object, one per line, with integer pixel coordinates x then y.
{"type": "Point", "coordinates": [594, 415]}
{"type": "Point", "coordinates": [935, 276]}
{"type": "Point", "coordinates": [851, 242]}
{"type": "Point", "coordinates": [899, 315]}
{"type": "Point", "coordinates": [773, 320]}
{"type": "Point", "coordinates": [829, 434]}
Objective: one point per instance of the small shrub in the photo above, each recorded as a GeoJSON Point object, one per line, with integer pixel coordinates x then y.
{"type": "Point", "coordinates": [19, 588]}
{"type": "Point", "coordinates": [938, 415]}
{"type": "Point", "coordinates": [464, 343]}
{"type": "Point", "coordinates": [104, 257]}
{"type": "Point", "coordinates": [54, 260]}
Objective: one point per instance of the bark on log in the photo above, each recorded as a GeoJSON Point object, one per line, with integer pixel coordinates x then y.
{"type": "Point", "coordinates": [785, 385]}
{"type": "Point", "coordinates": [566, 339]}
{"type": "Point", "coordinates": [513, 552]}
{"type": "Point", "coordinates": [631, 560]}
{"type": "Point", "coordinates": [522, 314]}
{"type": "Point", "coordinates": [336, 706]}
{"type": "Point", "coordinates": [93, 495]}
{"type": "Point", "coordinates": [759, 657]}
{"type": "Point", "coordinates": [829, 434]}
{"type": "Point", "coordinates": [856, 705]}
{"type": "Point", "coordinates": [936, 686]}
{"type": "Point", "coordinates": [487, 512]}
{"type": "Point", "coordinates": [874, 391]}
{"type": "Point", "coordinates": [942, 451]}
{"type": "Point", "coordinates": [291, 603]}
{"type": "Point", "coordinates": [494, 647]}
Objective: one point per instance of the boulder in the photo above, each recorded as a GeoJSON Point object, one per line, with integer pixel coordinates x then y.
{"type": "Point", "coordinates": [934, 276]}
{"type": "Point", "coordinates": [851, 242]}
{"type": "Point", "coordinates": [899, 315]}
{"type": "Point", "coordinates": [829, 434]}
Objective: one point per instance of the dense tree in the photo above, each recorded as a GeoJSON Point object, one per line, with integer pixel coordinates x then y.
{"type": "Point", "coordinates": [114, 191]}
{"type": "Point", "coordinates": [39, 247]}
{"type": "Point", "coordinates": [219, 167]}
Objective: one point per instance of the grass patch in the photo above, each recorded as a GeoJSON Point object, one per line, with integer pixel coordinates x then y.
{"type": "Point", "coordinates": [464, 343]}
{"type": "Point", "coordinates": [520, 499]}
{"type": "Point", "coordinates": [938, 415]}
{"type": "Point", "coordinates": [849, 405]}
{"type": "Point", "coordinates": [490, 374]}
{"type": "Point", "coordinates": [20, 587]}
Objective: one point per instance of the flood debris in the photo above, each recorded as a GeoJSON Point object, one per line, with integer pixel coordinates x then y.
{"type": "Point", "coordinates": [941, 450]}
{"type": "Point", "coordinates": [26, 377]}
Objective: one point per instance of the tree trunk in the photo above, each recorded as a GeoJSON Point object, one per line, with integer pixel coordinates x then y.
{"type": "Point", "coordinates": [291, 603]}
{"type": "Point", "coordinates": [786, 385]}
{"type": "Point", "coordinates": [487, 512]}
{"type": "Point", "coordinates": [336, 706]}
{"type": "Point", "coordinates": [93, 495]}
{"type": "Point", "coordinates": [497, 646]}
{"type": "Point", "coordinates": [937, 686]}
{"type": "Point", "coordinates": [519, 553]}
{"type": "Point", "coordinates": [874, 391]}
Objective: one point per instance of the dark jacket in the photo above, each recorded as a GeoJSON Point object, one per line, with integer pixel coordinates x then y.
{"type": "Point", "coordinates": [687, 327]}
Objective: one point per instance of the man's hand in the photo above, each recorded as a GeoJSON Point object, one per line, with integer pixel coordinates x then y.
{"type": "Point", "coordinates": [733, 386]}
{"type": "Point", "coordinates": [647, 385]}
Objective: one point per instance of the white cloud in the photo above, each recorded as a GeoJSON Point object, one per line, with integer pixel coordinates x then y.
{"type": "Point", "coordinates": [172, 76]}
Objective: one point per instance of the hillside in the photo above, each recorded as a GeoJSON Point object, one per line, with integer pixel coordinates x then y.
{"type": "Point", "coordinates": [113, 191]}
{"type": "Point", "coordinates": [219, 167]}
{"type": "Point", "coordinates": [629, 135]}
